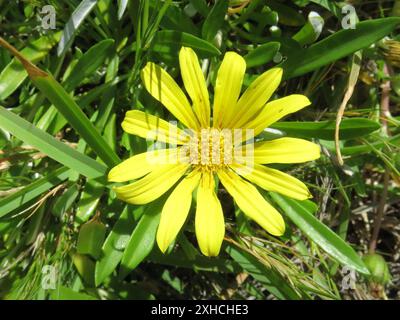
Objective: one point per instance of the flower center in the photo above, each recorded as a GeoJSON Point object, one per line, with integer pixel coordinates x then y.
{"type": "Point", "coordinates": [211, 149]}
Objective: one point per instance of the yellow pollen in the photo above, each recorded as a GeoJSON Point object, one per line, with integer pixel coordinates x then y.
{"type": "Point", "coordinates": [211, 149]}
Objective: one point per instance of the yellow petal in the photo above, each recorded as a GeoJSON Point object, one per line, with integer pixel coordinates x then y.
{"type": "Point", "coordinates": [164, 88]}
{"type": "Point", "coordinates": [227, 88]}
{"type": "Point", "coordinates": [275, 110]}
{"type": "Point", "coordinates": [195, 85]}
{"type": "Point", "coordinates": [255, 97]}
{"type": "Point", "coordinates": [152, 186]}
{"type": "Point", "coordinates": [252, 203]}
{"type": "Point", "coordinates": [143, 163]}
{"type": "Point", "coordinates": [175, 210]}
{"type": "Point", "coordinates": [273, 180]}
{"type": "Point", "coordinates": [151, 127]}
{"type": "Point", "coordinates": [209, 221]}
{"type": "Point", "coordinates": [284, 150]}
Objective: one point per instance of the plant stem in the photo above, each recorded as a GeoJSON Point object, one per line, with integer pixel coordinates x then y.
{"type": "Point", "coordinates": [379, 213]}
{"type": "Point", "coordinates": [385, 99]}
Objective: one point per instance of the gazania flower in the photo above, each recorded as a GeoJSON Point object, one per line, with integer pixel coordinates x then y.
{"type": "Point", "coordinates": [209, 150]}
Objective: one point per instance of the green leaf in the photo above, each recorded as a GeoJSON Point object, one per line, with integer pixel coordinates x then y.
{"type": "Point", "coordinates": [143, 237]}
{"type": "Point", "coordinates": [74, 22]}
{"type": "Point", "coordinates": [169, 42]}
{"type": "Point", "coordinates": [329, 5]}
{"type": "Point", "coordinates": [66, 105]}
{"type": "Point", "coordinates": [311, 30]}
{"type": "Point", "coordinates": [55, 149]}
{"type": "Point", "coordinates": [324, 237]}
{"type": "Point", "coordinates": [75, 117]}
{"type": "Point", "coordinates": [267, 16]}
{"type": "Point", "coordinates": [89, 199]}
{"type": "Point", "coordinates": [23, 196]}
{"type": "Point", "coordinates": [88, 63]}
{"type": "Point", "coordinates": [287, 15]}
{"type": "Point", "coordinates": [214, 20]}
{"type": "Point", "coordinates": [85, 267]}
{"type": "Point", "coordinates": [262, 54]}
{"type": "Point", "coordinates": [378, 267]}
{"type": "Point", "coordinates": [114, 246]}
{"type": "Point", "coordinates": [200, 6]}
{"type": "Point", "coordinates": [175, 19]}
{"type": "Point", "coordinates": [65, 201]}
{"type": "Point", "coordinates": [91, 238]}
{"type": "Point", "coordinates": [14, 73]}
{"type": "Point", "coordinates": [337, 46]}
{"type": "Point", "coordinates": [349, 128]}
{"type": "Point", "coordinates": [122, 4]}
{"type": "Point", "coordinates": [367, 148]}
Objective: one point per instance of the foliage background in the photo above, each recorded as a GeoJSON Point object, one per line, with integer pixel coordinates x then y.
{"type": "Point", "coordinates": [56, 209]}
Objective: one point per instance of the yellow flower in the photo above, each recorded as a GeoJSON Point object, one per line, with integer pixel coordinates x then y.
{"type": "Point", "coordinates": [195, 162]}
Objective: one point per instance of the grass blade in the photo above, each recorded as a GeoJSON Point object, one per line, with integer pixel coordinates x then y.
{"type": "Point", "coordinates": [74, 22]}
{"type": "Point", "coordinates": [337, 46]}
{"type": "Point", "coordinates": [66, 105]}
{"type": "Point", "coordinates": [143, 238]}
{"type": "Point", "coordinates": [113, 247]}
{"type": "Point", "coordinates": [349, 128]}
{"type": "Point", "coordinates": [14, 73]}
{"type": "Point", "coordinates": [88, 63]}
{"type": "Point", "coordinates": [47, 144]}
{"type": "Point", "coordinates": [122, 4]}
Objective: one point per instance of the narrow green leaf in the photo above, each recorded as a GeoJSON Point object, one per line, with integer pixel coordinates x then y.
{"type": "Point", "coordinates": [88, 63]}
{"type": "Point", "coordinates": [74, 22]}
{"type": "Point", "coordinates": [122, 4]}
{"type": "Point", "coordinates": [169, 42]}
{"type": "Point", "coordinates": [262, 54]}
{"type": "Point", "coordinates": [47, 144]}
{"type": "Point", "coordinates": [57, 95]}
{"type": "Point", "coordinates": [85, 267]}
{"type": "Point", "coordinates": [75, 117]}
{"type": "Point", "coordinates": [200, 6]}
{"type": "Point", "coordinates": [311, 30]}
{"type": "Point", "coordinates": [65, 201]}
{"type": "Point", "coordinates": [367, 148]}
{"type": "Point", "coordinates": [91, 238]}
{"type": "Point", "coordinates": [143, 237]}
{"type": "Point", "coordinates": [175, 19]}
{"type": "Point", "coordinates": [214, 20]}
{"type": "Point", "coordinates": [14, 73]}
{"type": "Point", "coordinates": [114, 246]}
{"type": "Point", "coordinates": [89, 200]}
{"type": "Point", "coordinates": [349, 128]}
{"type": "Point", "coordinates": [337, 46]}
{"type": "Point", "coordinates": [320, 233]}
{"type": "Point", "coordinates": [287, 15]}
{"type": "Point", "coordinates": [329, 5]}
